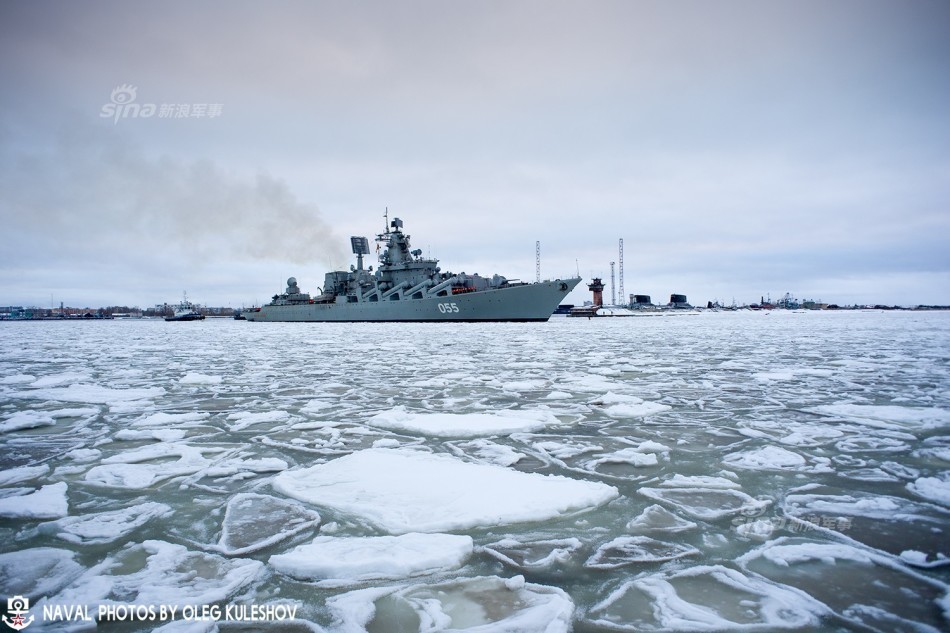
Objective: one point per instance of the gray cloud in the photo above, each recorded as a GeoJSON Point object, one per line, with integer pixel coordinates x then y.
{"type": "Point", "coordinates": [738, 146]}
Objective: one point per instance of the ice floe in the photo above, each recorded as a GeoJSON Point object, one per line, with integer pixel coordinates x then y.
{"type": "Point", "coordinates": [255, 521]}
{"type": "Point", "coordinates": [627, 406]}
{"type": "Point", "coordinates": [792, 373]}
{"type": "Point", "coordinates": [532, 554]}
{"type": "Point", "coordinates": [458, 425]}
{"type": "Point", "coordinates": [707, 504]}
{"type": "Point", "coordinates": [156, 572]}
{"type": "Point", "coordinates": [699, 481]}
{"type": "Point", "coordinates": [49, 502]}
{"type": "Point", "coordinates": [889, 416]}
{"type": "Point", "coordinates": [656, 518]}
{"type": "Point", "coordinates": [408, 491]}
{"type": "Point", "coordinates": [885, 522]}
{"type": "Point", "coordinates": [872, 444]}
{"type": "Point", "coordinates": [921, 559]}
{"type": "Point", "coordinates": [22, 473]}
{"type": "Point", "coordinates": [125, 470]}
{"type": "Point", "coordinates": [104, 527]}
{"type": "Point", "coordinates": [563, 450]}
{"type": "Point", "coordinates": [93, 394]}
{"type": "Point", "coordinates": [758, 529]}
{"type": "Point", "coordinates": [616, 458]}
{"type": "Point", "coordinates": [171, 420]}
{"type": "Point", "coordinates": [864, 587]}
{"type": "Point", "coordinates": [479, 605]}
{"type": "Point", "coordinates": [55, 380]}
{"type": "Point", "coordinates": [335, 561]}
{"type": "Point", "coordinates": [633, 456]}
{"type": "Point", "coordinates": [195, 378]}
{"type": "Point", "coordinates": [519, 386]}
{"type": "Point", "coordinates": [37, 571]}
{"type": "Point", "coordinates": [483, 450]}
{"type": "Point", "coordinates": [935, 489]}
{"type": "Point", "coordinates": [17, 379]}
{"type": "Point", "coordinates": [706, 598]}
{"type": "Point", "coordinates": [790, 433]}
{"type": "Point", "coordinates": [244, 419]}
{"type": "Point", "coordinates": [631, 550]}
{"type": "Point", "coordinates": [25, 420]}
{"type": "Point", "coordinates": [243, 464]}
{"type": "Point", "coordinates": [765, 458]}
{"type": "Point", "coordinates": [162, 435]}
{"type": "Point", "coordinates": [775, 458]}
{"type": "Point", "coordinates": [83, 455]}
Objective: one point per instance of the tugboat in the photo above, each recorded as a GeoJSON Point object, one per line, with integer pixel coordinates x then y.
{"type": "Point", "coordinates": [410, 287]}
{"type": "Point", "coordinates": [185, 311]}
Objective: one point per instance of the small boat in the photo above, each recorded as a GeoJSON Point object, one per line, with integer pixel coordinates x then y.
{"type": "Point", "coordinates": [185, 311]}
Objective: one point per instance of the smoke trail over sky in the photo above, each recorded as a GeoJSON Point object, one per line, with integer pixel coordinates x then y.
{"type": "Point", "coordinates": [86, 196]}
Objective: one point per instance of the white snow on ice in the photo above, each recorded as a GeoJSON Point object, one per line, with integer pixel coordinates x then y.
{"type": "Point", "coordinates": [104, 527]}
{"type": "Point", "coordinates": [156, 572]}
{"type": "Point", "coordinates": [407, 491]}
{"type": "Point", "coordinates": [889, 416]}
{"type": "Point", "coordinates": [706, 598]}
{"type": "Point", "coordinates": [341, 561]}
{"type": "Point", "coordinates": [195, 378]}
{"type": "Point", "coordinates": [463, 425]}
{"type": "Point", "coordinates": [37, 571]}
{"type": "Point", "coordinates": [480, 605]}
{"type": "Point", "coordinates": [49, 502]}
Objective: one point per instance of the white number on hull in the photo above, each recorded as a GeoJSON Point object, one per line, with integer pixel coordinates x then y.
{"type": "Point", "coordinates": [447, 308]}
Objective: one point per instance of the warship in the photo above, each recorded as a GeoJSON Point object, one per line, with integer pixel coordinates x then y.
{"type": "Point", "coordinates": [409, 287]}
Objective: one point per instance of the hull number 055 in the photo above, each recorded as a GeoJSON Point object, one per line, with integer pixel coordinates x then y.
{"type": "Point", "coordinates": [448, 308]}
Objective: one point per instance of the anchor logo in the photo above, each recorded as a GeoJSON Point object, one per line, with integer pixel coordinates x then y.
{"type": "Point", "coordinates": [18, 606]}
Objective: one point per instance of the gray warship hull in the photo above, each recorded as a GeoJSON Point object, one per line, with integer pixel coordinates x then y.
{"type": "Point", "coordinates": [529, 302]}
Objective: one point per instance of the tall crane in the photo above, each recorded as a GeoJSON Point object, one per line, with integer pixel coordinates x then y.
{"type": "Point", "coordinates": [613, 293]}
{"type": "Point", "coordinates": [621, 271]}
{"type": "Point", "coordinates": [537, 261]}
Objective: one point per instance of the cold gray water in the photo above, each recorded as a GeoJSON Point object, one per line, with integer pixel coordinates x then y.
{"type": "Point", "coordinates": [715, 471]}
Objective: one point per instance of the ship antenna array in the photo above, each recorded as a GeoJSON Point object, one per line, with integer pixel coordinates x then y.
{"type": "Point", "coordinates": [537, 261]}
{"type": "Point", "coordinates": [621, 271]}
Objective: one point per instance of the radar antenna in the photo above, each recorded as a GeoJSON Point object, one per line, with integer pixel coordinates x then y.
{"type": "Point", "coordinates": [360, 247]}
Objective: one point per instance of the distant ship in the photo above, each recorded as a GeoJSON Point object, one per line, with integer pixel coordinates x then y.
{"type": "Point", "coordinates": [409, 287]}
{"type": "Point", "coordinates": [185, 311]}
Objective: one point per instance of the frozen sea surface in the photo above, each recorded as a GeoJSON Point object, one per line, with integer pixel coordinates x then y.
{"type": "Point", "coordinates": [730, 471]}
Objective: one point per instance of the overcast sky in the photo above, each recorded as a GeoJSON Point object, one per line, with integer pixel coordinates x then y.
{"type": "Point", "coordinates": [739, 148]}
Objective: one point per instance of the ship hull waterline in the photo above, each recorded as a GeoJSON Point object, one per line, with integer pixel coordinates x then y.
{"type": "Point", "coordinates": [529, 302]}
